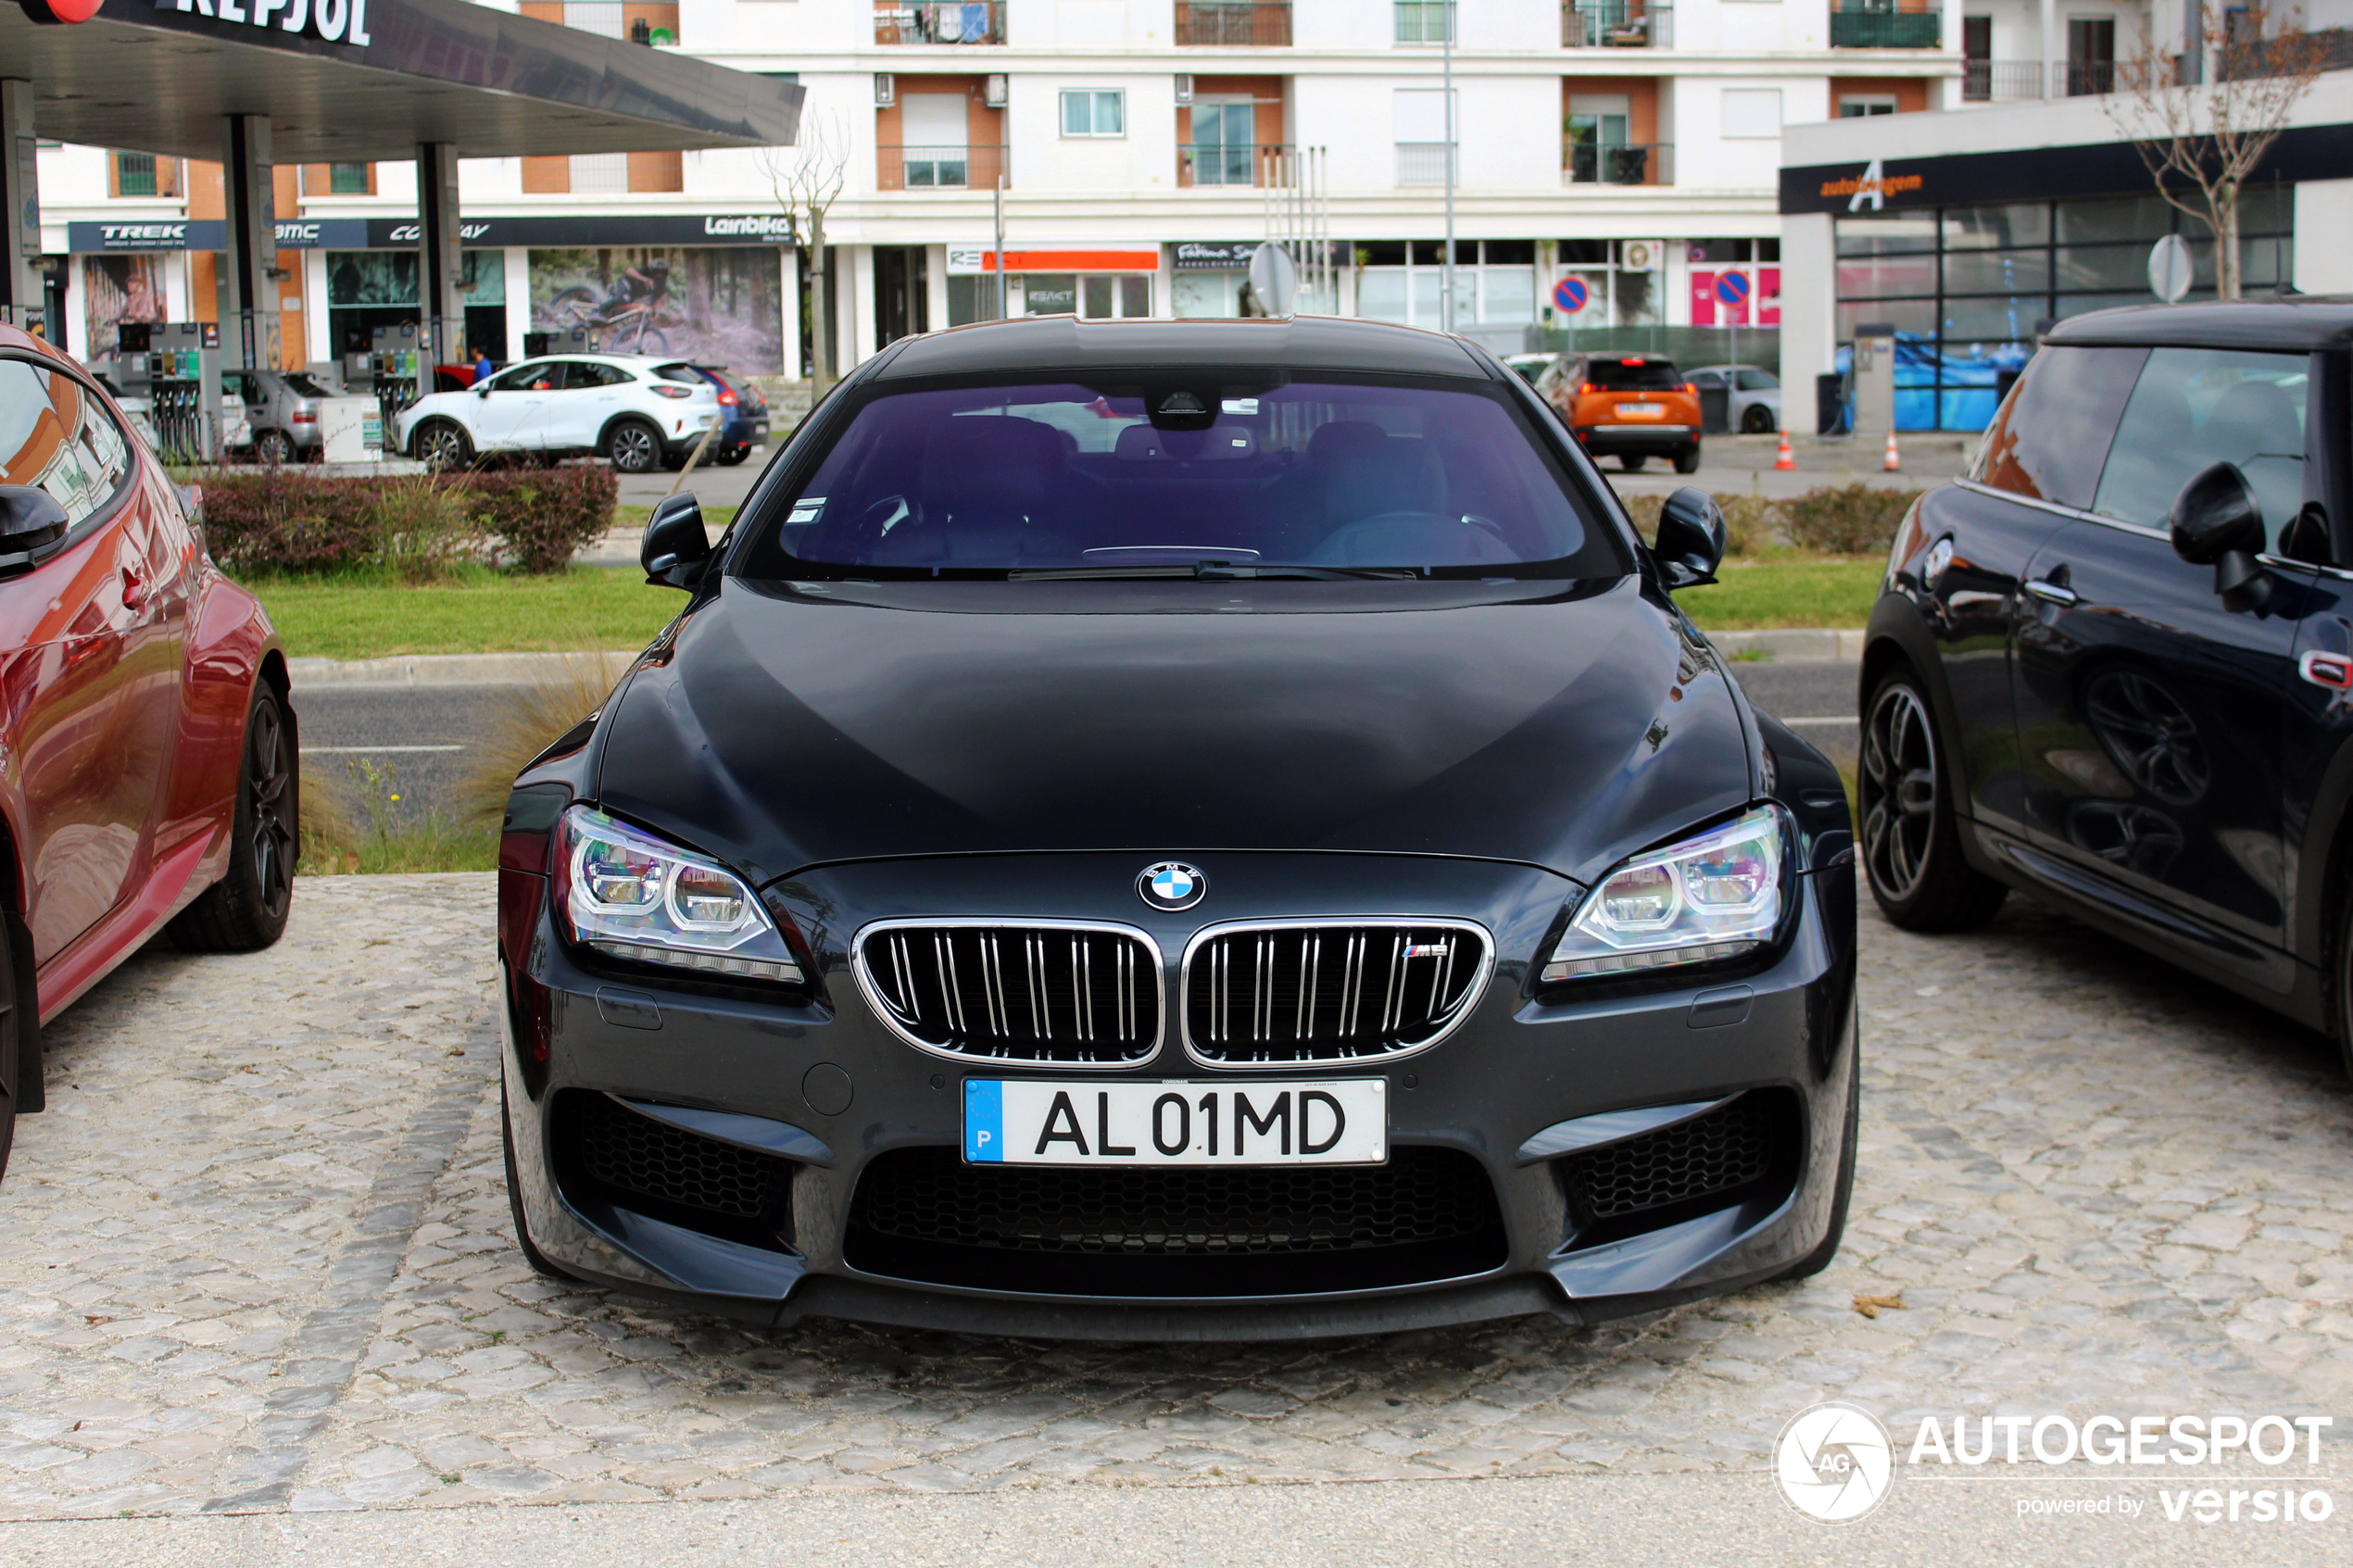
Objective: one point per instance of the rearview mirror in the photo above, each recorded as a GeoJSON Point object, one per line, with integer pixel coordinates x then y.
{"type": "Point", "coordinates": [1690, 538]}
{"type": "Point", "coordinates": [483, 391]}
{"type": "Point", "coordinates": [677, 546]}
{"type": "Point", "coordinates": [30, 517]}
{"type": "Point", "coordinates": [2217, 522]}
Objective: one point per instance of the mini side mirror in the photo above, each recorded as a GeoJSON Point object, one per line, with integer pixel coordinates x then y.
{"type": "Point", "coordinates": [676, 548]}
{"type": "Point", "coordinates": [1690, 538]}
{"type": "Point", "coordinates": [2217, 522]}
{"type": "Point", "coordinates": [30, 517]}
{"type": "Point", "coordinates": [483, 391]}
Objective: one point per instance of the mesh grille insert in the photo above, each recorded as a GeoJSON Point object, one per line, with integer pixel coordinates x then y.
{"type": "Point", "coordinates": [925, 1215]}
{"type": "Point", "coordinates": [1328, 993]}
{"type": "Point", "coordinates": [1014, 993]}
{"type": "Point", "coordinates": [1735, 1146]}
{"type": "Point", "coordinates": [638, 1158]}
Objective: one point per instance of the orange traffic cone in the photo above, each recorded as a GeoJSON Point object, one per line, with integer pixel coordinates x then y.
{"type": "Point", "coordinates": [1782, 459]}
{"type": "Point", "coordinates": [1894, 463]}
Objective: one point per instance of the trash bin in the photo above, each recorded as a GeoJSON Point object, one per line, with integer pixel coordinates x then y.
{"type": "Point", "coordinates": [1830, 404]}
{"type": "Point", "coordinates": [1714, 410]}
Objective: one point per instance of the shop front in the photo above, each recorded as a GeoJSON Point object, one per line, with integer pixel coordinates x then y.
{"type": "Point", "coordinates": [1966, 233]}
{"type": "Point", "coordinates": [1100, 281]}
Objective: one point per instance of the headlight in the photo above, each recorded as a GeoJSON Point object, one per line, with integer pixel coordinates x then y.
{"type": "Point", "coordinates": [1714, 896]}
{"type": "Point", "coordinates": [626, 893]}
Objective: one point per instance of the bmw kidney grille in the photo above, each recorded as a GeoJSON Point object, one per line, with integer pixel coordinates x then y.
{"type": "Point", "coordinates": [1075, 994]}
{"type": "Point", "coordinates": [1293, 993]}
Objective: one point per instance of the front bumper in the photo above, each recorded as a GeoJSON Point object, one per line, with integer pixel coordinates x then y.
{"type": "Point", "coordinates": [824, 1093]}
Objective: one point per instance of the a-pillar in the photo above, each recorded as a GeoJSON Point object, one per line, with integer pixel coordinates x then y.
{"type": "Point", "coordinates": [439, 242]}
{"type": "Point", "coordinates": [20, 295]}
{"type": "Point", "coordinates": [248, 294]}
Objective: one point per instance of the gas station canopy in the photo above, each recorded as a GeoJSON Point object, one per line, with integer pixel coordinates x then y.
{"type": "Point", "coordinates": [356, 80]}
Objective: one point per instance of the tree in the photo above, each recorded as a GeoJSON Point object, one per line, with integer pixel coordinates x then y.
{"type": "Point", "coordinates": [807, 179]}
{"type": "Point", "coordinates": [2203, 120]}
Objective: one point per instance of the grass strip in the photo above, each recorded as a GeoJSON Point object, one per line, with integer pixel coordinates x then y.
{"type": "Point", "coordinates": [1789, 591]}
{"type": "Point", "coordinates": [358, 615]}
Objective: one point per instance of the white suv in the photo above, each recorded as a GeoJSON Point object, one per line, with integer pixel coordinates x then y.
{"type": "Point", "coordinates": [637, 410]}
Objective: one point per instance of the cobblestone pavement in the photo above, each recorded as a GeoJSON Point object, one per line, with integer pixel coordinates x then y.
{"type": "Point", "coordinates": [257, 1256]}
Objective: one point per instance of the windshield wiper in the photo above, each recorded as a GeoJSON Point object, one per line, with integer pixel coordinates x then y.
{"type": "Point", "coordinates": [1210, 571]}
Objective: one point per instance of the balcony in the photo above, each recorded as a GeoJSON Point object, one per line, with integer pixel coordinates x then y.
{"type": "Point", "coordinates": [641, 21]}
{"type": "Point", "coordinates": [2084, 79]}
{"type": "Point", "coordinates": [2001, 82]}
{"type": "Point", "coordinates": [1423, 163]}
{"type": "Point", "coordinates": [1236, 165]}
{"type": "Point", "coordinates": [939, 169]}
{"type": "Point", "coordinates": [1886, 27]}
{"type": "Point", "coordinates": [939, 21]}
{"type": "Point", "coordinates": [1612, 163]}
{"type": "Point", "coordinates": [1616, 24]}
{"type": "Point", "coordinates": [1234, 24]}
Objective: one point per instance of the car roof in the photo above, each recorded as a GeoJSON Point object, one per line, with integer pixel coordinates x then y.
{"type": "Point", "coordinates": [1295, 342]}
{"type": "Point", "coordinates": [2292, 322]}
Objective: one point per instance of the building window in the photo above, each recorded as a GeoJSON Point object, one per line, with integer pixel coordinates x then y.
{"type": "Point", "coordinates": [1094, 112]}
{"type": "Point", "coordinates": [1862, 105]}
{"type": "Point", "coordinates": [1494, 282]}
{"type": "Point", "coordinates": [347, 180]}
{"type": "Point", "coordinates": [600, 173]}
{"type": "Point", "coordinates": [1964, 286]}
{"type": "Point", "coordinates": [1420, 118]}
{"type": "Point", "coordinates": [1423, 21]}
{"type": "Point", "coordinates": [135, 174]}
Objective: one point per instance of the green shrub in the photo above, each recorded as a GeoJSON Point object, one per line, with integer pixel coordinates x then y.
{"type": "Point", "coordinates": [1850, 520]}
{"type": "Point", "coordinates": [281, 519]}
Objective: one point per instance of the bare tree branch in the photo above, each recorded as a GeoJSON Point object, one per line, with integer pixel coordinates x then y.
{"type": "Point", "coordinates": [807, 179]}
{"type": "Point", "coordinates": [2202, 139]}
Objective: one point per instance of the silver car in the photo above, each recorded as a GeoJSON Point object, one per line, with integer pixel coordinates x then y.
{"type": "Point", "coordinates": [281, 410]}
{"type": "Point", "coordinates": [1755, 405]}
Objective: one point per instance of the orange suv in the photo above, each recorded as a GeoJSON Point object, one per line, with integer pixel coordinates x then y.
{"type": "Point", "coordinates": [1631, 407]}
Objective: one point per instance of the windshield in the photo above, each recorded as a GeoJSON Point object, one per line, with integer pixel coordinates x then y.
{"type": "Point", "coordinates": [1321, 477]}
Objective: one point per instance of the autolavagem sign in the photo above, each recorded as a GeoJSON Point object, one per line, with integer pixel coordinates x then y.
{"type": "Point", "coordinates": [1837, 1463]}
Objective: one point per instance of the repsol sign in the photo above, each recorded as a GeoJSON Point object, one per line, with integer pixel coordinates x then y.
{"type": "Point", "coordinates": [337, 21]}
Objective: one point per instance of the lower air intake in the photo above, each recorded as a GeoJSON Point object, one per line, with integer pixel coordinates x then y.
{"type": "Point", "coordinates": [925, 1215]}
{"type": "Point", "coordinates": [1743, 1148]}
{"type": "Point", "coordinates": [633, 1162]}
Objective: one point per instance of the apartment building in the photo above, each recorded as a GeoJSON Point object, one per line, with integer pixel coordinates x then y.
{"type": "Point", "coordinates": [1134, 152]}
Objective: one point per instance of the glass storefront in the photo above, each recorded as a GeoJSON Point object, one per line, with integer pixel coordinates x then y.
{"type": "Point", "coordinates": [1399, 280]}
{"type": "Point", "coordinates": [1964, 286]}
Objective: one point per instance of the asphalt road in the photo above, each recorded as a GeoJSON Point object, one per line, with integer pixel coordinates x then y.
{"type": "Point", "coordinates": [422, 742]}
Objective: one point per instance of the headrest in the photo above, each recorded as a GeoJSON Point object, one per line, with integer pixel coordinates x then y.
{"type": "Point", "coordinates": [986, 462]}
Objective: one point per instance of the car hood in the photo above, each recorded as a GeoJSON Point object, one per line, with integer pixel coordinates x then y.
{"type": "Point", "coordinates": [782, 726]}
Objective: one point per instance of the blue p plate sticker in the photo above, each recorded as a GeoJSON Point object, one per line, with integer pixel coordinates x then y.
{"type": "Point", "coordinates": [984, 1120]}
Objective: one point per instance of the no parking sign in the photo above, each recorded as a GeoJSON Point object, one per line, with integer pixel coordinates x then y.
{"type": "Point", "coordinates": [1569, 295]}
{"type": "Point", "coordinates": [1732, 289]}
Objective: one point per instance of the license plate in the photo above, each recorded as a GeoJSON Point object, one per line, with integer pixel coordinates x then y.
{"type": "Point", "coordinates": [1641, 410]}
{"type": "Point", "coordinates": [1267, 1121]}
{"type": "Point", "coordinates": [760, 431]}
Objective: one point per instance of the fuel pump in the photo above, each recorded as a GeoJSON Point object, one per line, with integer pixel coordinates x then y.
{"type": "Point", "coordinates": [394, 357]}
{"type": "Point", "coordinates": [176, 365]}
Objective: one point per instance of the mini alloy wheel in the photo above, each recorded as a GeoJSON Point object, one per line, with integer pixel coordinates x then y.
{"type": "Point", "coordinates": [1910, 842]}
{"type": "Point", "coordinates": [444, 447]}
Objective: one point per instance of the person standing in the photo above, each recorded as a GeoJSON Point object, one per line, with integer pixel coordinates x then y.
{"type": "Point", "coordinates": [482, 367]}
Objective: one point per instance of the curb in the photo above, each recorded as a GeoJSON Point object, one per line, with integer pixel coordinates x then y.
{"type": "Point", "coordinates": [1793, 644]}
{"type": "Point", "coordinates": [449, 669]}
{"type": "Point", "coordinates": [1790, 645]}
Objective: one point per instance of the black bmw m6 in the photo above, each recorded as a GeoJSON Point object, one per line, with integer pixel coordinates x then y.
{"type": "Point", "coordinates": [1164, 830]}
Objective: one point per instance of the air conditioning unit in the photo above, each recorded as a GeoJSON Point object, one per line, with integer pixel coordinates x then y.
{"type": "Point", "coordinates": [885, 89]}
{"type": "Point", "coordinates": [992, 92]}
{"type": "Point", "coordinates": [1184, 87]}
{"type": "Point", "coordinates": [1640, 256]}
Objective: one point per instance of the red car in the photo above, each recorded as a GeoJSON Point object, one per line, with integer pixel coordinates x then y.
{"type": "Point", "coordinates": [147, 773]}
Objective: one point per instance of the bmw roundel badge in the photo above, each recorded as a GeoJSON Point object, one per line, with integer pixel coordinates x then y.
{"type": "Point", "coordinates": [1171, 885]}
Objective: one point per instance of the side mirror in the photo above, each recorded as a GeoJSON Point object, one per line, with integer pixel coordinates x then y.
{"type": "Point", "coordinates": [30, 517]}
{"type": "Point", "coordinates": [2217, 522]}
{"type": "Point", "coordinates": [483, 391]}
{"type": "Point", "coordinates": [1690, 538]}
{"type": "Point", "coordinates": [676, 548]}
